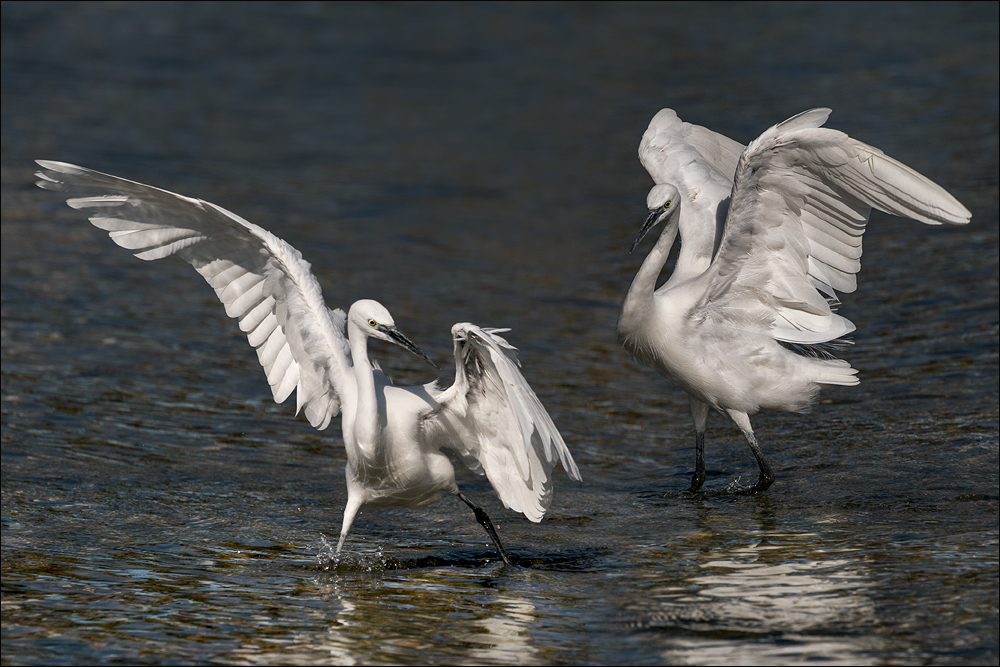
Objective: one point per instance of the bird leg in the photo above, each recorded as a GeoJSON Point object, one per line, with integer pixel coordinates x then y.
{"type": "Point", "coordinates": [350, 511]}
{"type": "Point", "coordinates": [766, 477]}
{"type": "Point", "coordinates": [484, 521]}
{"type": "Point", "coordinates": [698, 478]}
{"type": "Point", "coordinates": [699, 415]}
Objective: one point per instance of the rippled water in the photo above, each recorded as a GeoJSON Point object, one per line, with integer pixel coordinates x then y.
{"type": "Point", "coordinates": [477, 163]}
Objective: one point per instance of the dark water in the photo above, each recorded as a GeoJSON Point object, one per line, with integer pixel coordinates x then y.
{"type": "Point", "coordinates": [477, 162]}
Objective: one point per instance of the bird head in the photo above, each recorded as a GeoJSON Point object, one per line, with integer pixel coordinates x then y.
{"type": "Point", "coordinates": [662, 201]}
{"type": "Point", "coordinates": [372, 318]}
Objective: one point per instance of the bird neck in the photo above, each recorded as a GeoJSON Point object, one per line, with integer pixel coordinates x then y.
{"type": "Point", "coordinates": [639, 303]}
{"type": "Point", "coordinates": [698, 241]}
{"type": "Point", "coordinates": [644, 283]}
{"type": "Point", "coordinates": [369, 419]}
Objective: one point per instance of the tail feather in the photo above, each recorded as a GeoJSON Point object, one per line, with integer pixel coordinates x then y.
{"type": "Point", "coordinates": [835, 371]}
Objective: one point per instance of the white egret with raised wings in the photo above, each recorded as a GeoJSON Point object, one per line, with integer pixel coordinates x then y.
{"type": "Point", "coordinates": [769, 235]}
{"type": "Point", "coordinates": [489, 418]}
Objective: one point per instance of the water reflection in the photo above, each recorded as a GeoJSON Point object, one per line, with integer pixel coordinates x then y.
{"type": "Point", "coordinates": [503, 637]}
{"type": "Point", "coordinates": [303, 648]}
{"type": "Point", "coordinates": [792, 596]}
{"type": "Point", "coordinates": [792, 650]}
{"type": "Point", "coordinates": [390, 620]}
{"type": "Point", "coordinates": [731, 609]}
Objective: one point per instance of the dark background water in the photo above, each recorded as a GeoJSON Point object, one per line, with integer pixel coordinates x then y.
{"type": "Point", "coordinates": [478, 163]}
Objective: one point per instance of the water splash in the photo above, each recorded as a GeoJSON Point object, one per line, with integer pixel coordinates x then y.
{"type": "Point", "coordinates": [329, 560]}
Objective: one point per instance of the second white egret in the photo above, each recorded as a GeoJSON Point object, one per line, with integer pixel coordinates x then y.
{"type": "Point", "coordinates": [489, 418]}
{"type": "Point", "coordinates": [769, 234]}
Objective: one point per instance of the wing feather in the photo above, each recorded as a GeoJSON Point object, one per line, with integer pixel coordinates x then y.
{"type": "Point", "coordinates": [799, 206]}
{"type": "Point", "coordinates": [503, 429]}
{"type": "Point", "coordinates": [701, 164]}
{"type": "Point", "coordinates": [669, 145]}
{"type": "Point", "coordinates": [263, 282]}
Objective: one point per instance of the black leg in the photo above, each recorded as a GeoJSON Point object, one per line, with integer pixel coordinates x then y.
{"type": "Point", "coordinates": [699, 464]}
{"type": "Point", "coordinates": [484, 521]}
{"type": "Point", "coordinates": [766, 478]}
{"type": "Point", "coordinates": [699, 415]}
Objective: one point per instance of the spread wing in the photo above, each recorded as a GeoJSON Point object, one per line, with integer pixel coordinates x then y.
{"type": "Point", "coordinates": [800, 204]}
{"type": "Point", "coordinates": [492, 419]}
{"type": "Point", "coordinates": [263, 282]}
{"type": "Point", "coordinates": [670, 148]}
{"type": "Point", "coordinates": [700, 163]}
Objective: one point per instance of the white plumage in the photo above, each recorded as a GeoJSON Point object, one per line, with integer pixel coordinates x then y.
{"type": "Point", "coordinates": [490, 417]}
{"type": "Point", "coordinates": [769, 235]}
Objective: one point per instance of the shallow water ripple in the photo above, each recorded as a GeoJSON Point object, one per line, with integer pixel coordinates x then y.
{"type": "Point", "coordinates": [478, 163]}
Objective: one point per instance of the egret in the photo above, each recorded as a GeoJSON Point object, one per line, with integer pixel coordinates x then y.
{"type": "Point", "coordinates": [769, 233]}
{"type": "Point", "coordinates": [395, 437]}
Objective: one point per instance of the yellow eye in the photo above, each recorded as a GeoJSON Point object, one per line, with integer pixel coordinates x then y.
{"type": "Point", "coordinates": [666, 205]}
{"type": "Point", "coordinates": [371, 323]}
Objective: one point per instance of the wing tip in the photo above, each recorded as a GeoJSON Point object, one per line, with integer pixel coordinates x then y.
{"type": "Point", "coordinates": [810, 118]}
{"type": "Point", "coordinates": [60, 167]}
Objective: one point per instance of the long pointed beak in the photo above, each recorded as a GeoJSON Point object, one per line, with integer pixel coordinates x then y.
{"type": "Point", "coordinates": [654, 217]}
{"type": "Point", "coordinates": [399, 339]}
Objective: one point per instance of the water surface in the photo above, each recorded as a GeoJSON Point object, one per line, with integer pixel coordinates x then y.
{"type": "Point", "coordinates": [477, 163]}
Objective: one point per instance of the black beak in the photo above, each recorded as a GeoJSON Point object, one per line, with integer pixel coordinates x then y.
{"type": "Point", "coordinates": [654, 217]}
{"type": "Point", "coordinates": [404, 342]}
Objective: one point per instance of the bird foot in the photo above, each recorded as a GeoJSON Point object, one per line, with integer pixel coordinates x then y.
{"type": "Point", "coordinates": [696, 483]}
{"type": "Point", "coordinates": [759, 486]}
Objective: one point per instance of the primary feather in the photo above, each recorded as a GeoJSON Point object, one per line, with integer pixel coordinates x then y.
{"type": "Point", "coordinates": [262, 281]}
